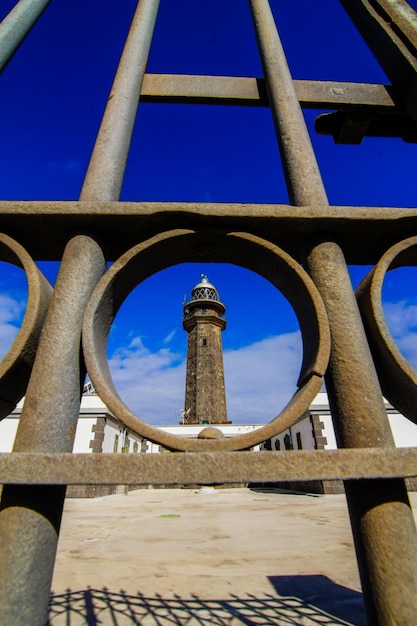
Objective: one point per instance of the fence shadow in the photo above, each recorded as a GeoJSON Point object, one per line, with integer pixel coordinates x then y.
{"type": "Point", "coordinates": [301, 600]}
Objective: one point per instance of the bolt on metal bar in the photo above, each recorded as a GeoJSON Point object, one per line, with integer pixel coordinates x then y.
{"type": "Point", "coordinates": [17, 24]}
{"type": "Point", "coordinates": [382, 524]}
{"type": "Point", "coordinates": [30, 518]}
{"type": "Point", "coordinates": [108, 161]}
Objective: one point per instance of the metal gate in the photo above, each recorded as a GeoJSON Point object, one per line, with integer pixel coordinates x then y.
{"type": "Point", "coordinates": [302, 248]}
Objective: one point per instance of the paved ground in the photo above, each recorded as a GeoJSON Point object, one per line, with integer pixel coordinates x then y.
{"type": "Point", "coordinates": [184, 557]}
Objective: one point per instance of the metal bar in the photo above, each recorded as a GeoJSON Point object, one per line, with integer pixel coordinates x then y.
{"type": "Point", "coordinates": [381, 517]}
{"type": "Point", "coordinates": [31, 210]}
{"type": "Point", "coordinates": [305, 186]}
{"type": "Point", "coordinates": [206, 467]}
{"type": "Point", "coordinates": [30, 517]}
{"type": "Point", "coordinates": [191, 89]}
{"type": "Point", "coordinates": [365, 233]}
{"type": "Point", "coordinates": [17, 24]}
{"type": "Point", "coordinates": [108, 161]}
{"type": "Point", "coordinates": [389, 27]}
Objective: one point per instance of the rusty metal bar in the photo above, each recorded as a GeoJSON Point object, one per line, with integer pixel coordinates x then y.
{"type": "Point", "coordinates": [30, 517]}
{"type": "Point", "coordinates": [108, 161]}
{"type": "Point", "coordinates": [206, 467]}
{"type": "Point", "coordinates": [17, 24]}
{"type": "Point", "coordinates": [191, 89]}
{"type": "Point", "coordinates": [381, 517]}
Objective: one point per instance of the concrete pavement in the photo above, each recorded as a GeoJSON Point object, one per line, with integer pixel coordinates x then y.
{"type": "Point", "coordinates": [206, 556]}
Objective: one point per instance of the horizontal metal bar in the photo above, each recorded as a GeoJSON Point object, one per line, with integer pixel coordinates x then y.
{"type": "Point", "coordinates": [206, 467]}
{"type": "Point", "coordinates": [222, 90]}
{"type": "Point", "coordinates": [43, 227]}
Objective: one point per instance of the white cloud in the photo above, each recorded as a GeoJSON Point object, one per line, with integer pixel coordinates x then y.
{"type": "Point", "coordinates": [151, 384]}
{"type": "Point", "coordinates": [11, 311]}
{"type": "Point", "coordinates": [170, 336]}
{"type": "Point", "coordinates": [260, 379]}
{"type": "Point", "coordinates": [402, 321]}
{"type": "Point", "coordinates": [401, 317]}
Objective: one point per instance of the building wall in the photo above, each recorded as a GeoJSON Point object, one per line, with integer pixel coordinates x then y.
{"type": "Point", "coordinates": [315, 430]}
{"type": "Point", "coordinates": [83, 434]}
{"type": "Point", "coordinates": [8, 429]}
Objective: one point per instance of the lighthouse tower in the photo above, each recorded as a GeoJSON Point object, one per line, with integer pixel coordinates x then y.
{"type": "Point", "coordinates": [205, 398]}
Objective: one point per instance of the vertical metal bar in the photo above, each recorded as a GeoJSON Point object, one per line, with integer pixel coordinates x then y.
{"type": "Point", "coordinates": [305, 185]}
{"type": "Point", "coordinates": [30, 518]}
{"type": "Point", "coordinates": [17, 24]}
{"type": "Point", "coordinates": [381, 518]}
{"type": "Point", "coordinates": [107, 165]}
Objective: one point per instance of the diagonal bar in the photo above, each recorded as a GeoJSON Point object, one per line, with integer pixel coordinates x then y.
{"type": "Point", "coordinates": [17, 24]}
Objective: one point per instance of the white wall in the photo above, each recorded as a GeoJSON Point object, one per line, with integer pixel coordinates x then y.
{"type": "Point", "coordinates": [84, 434]}
{"type": "Point", "coordinates": [403, 430]}
{"type": "Point", "coordinates": [8, 429]}
{"type": "Point", "coordinates": [111, 430]}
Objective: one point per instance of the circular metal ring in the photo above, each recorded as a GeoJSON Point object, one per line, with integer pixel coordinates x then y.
{"type": "Point", "coordinates": [16, 366]}
{"type": "Point", "coordinates": [183, 246]}
{"type": "Point", "coordinates": [397, 377]}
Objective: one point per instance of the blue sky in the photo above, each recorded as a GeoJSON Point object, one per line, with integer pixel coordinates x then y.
{"type": "Point", "coordinates": [53, 94]}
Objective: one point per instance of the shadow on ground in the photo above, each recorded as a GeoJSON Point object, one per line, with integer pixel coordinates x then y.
{"type": "Point", "coordinates": [306, 600]}
{"type": "Point", "coordinates": [324, 595]}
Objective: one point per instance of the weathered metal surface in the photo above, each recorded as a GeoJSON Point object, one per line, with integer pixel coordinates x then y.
{"type": "Point", "coordinates": [398, 378]}
{"type": "Point", "coordinates": [17, 24]}
{"type": "Point", "coordinates": [354, 394]}
{"type": "Point", "coordinates": [179, 247]}
{"type": "Point", "coordinates": [58, 365]}
{"type": "Point", "coordinates": [389, 27]}
{"type": "Point", "coordinates": [223, 90]}
{"type": "Point", "coordinates": [16, 365]}
{"type": "Point", "coordinates": [363, 232]}
{"type": "Point", "coordinates": [302, 173]}
{"type": "Point", "coordinates": [206, 467]}
{"type": "Point", "coordinates": [30, 518]}
{"type": "Point", "coordinates": [382, 522]}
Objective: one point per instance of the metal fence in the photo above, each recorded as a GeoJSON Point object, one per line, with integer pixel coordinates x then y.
{"type": "Point", "coordinates": [302, 248]}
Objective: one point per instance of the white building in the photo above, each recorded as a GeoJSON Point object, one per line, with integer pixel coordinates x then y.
{"type": "Point", "coordinates": [314, 431]}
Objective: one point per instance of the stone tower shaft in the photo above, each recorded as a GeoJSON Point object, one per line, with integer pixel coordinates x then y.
{"type": "Point", "coordinates": [205, 396]}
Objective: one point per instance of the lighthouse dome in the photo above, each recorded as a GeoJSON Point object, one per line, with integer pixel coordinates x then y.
{"type": "Point", "coordinates": [204, 290]}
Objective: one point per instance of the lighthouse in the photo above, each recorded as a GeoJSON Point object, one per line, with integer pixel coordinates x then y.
{"type": "Point", "coordinates": [203, 319]}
